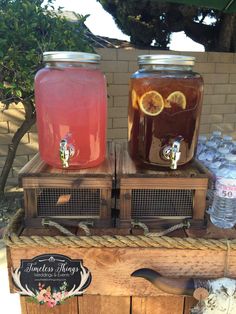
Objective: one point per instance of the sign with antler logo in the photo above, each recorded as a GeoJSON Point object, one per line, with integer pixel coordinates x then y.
{"type": "Point", "coordinates": [51, 278]}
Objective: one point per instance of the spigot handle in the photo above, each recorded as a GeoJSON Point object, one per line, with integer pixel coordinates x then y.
{"type": "Point", "coordinates": [175, 152]}
{"type": "Point", "coordinates": [175, 160]}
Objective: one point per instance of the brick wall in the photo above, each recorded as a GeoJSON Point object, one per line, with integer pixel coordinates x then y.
{"type": "Point", "coordinates": [10, 120]}
{"type": "Point", "coordinates": [219, 107]}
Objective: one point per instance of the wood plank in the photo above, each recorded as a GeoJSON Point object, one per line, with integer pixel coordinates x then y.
{"type": "Point", "coordinates": [115, 305]}
{"type": "Point", "coordinates": [212, 232]}
{"type": "Point", "coordinates": [111, 268]}
{"type": "Point", "coordinates": [66, 182]}
{"type": "Point", "coordinates": [127, 167]}
{"type": "Point", "coordinates": [35, 162]}
{"type": "Point", "coordinates": [164, 183]}
{"type": "Point", "coordinates": [104, 305]}
{"type": "Point", "coordinates": [105, 209]}
{"type": "Point", "coordinates": [189, 302]}
{"type": "Point", "coordinates": [69, 307]}
{"type": "Point", "coordinates": [38, 168]}
{"type": "Point", "coordinates": [158, 305]}
{"type": "Point", "coordinates": [199, 204]}
{"type": "Point", "coordinates": [23, 305]}
{"type": "Point", "coordinates": [30, 202]}
{"type": "Point", "coordinates": [125, 204]}
{"type": "Point", "coordinates": [9, 269]}
{"type": "Point", "coordinates": [89, 304]}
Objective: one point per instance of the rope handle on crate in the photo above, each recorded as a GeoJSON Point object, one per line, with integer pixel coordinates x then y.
{"type": "Point", "coordinates": [82, 225]}
{"type": "Point", "coordinates": [146, 232]}
{"type": "Point", "coordinates": [12, 239]}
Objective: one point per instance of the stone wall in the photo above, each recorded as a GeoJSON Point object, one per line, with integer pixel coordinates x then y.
{"type": "Point", "coordinates": [219, 107]}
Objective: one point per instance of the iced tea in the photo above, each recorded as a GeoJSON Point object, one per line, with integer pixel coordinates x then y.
{"type": "Point", "coordinates": [163, 106]}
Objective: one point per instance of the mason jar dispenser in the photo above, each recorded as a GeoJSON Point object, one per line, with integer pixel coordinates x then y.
{"type": "Point", "coordinates": [71, 107]}
{"type": "Point", "coordinates": [165, 102]}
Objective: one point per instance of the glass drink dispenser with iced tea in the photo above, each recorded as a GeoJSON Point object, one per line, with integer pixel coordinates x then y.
{"type": "Point", "coordinates": [70, 97]}
{"type": "Point", "coordinates": [165, 103]}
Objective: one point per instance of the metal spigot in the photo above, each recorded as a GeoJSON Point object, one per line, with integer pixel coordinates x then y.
{"type": "Point", "coordinates": [66, 151]}
{"type": "Point", "coordinates": [173, 153]}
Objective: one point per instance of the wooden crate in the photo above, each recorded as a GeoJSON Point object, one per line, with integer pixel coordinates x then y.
{"type": "Point", "coordinates": [160, 196]}
{"type": "Point", "coordinates": [113, 288]}
{"type": "Point", "coordinates": [71, 195]}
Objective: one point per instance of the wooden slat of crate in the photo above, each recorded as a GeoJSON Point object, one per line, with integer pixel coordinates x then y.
{"type": "Point", "coordinates": [189, 302]}
{"type": "Point", "coordinates": [158, 305]}
{"type": "Point", "coordinates": [88, 304]}
{"type": "Point", "coordinates": [37, 173]}
{"type": "Point", "coordinates": [111, 267]}
{"type": "Point", "coordinates": [126, 167]}
{"type": "Point", "coordinates": [70, 307]}
{"type": "Point", "coordinates": [104, 305]}
{"type": "Point", "coordinates": [82, 305]}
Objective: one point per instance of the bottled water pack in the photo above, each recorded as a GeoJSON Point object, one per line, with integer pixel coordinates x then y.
{"type": "Point", "coordinates": [218, 154]}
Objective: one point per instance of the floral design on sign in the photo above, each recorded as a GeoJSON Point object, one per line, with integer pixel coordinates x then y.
{"type": "Point", "coordinates": [51, 279]}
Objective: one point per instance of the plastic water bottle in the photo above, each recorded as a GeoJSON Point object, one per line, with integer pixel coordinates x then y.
{"type": "Point", "coordinates": [201, 145]}
{"type": "Point", "coordinates": [214, 167]}
{"type": "Point", "coordinates": [208, 154]}
{"type": "Point", "coordinates": [227, 142]}
{"type": "Point", "coordinates": [219, 157]}
{"type": "Point", "coordinates": [233, 149]}
{"type": "Point", "coordinates": [223, 211]}
{"type": "Point", "coordinates": [216, 137]}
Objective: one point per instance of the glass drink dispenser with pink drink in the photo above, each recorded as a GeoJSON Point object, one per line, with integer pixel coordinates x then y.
{"type": "Point", "coordinates": [71, 107]}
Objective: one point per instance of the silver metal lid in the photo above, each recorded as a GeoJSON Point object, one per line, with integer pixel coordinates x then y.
{"type": "Point", "coordinates": [70, 56]}
{"type": "Point", "coordinates": [166, 59]}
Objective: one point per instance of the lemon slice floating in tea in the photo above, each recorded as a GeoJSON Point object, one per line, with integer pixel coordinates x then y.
{"type": "Point", "coordinates": [134, 99]}
{"type": "Point", "coordinates": [151, 103]}
{"type": "Point", "coordinates": [177, 98]}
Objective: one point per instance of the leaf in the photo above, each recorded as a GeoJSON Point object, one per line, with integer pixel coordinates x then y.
{"type": "Point", "coordinates": [49, 289]}
{"type": "Point", "coordinates": [32, 300]}
{"type": "Point", "coordinates": [18, 93]}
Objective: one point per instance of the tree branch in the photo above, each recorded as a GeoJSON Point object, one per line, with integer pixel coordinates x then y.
{"type": "Point", "coordinates": [226, 32]}
{"type": "Point", "coordinates": [23, 129]}
{"type": "Point", "coordinates": [206, 35]}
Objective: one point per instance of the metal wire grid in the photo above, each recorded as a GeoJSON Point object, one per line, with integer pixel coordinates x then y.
{"type": "Point", "coordinates": [68, 202]}
{"type": "Point", "coordinates": [159, 203]}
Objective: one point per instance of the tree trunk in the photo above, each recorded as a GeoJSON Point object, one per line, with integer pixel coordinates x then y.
{"type": "Point", "coordinates": [30, 118]}
{"type": "Point", "coordinates": [226, 33]}
{"type": "Point", "coordinates": [203, 34]}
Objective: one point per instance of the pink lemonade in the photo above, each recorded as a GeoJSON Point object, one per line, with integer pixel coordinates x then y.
{"type": "Point", "coordinates": [71, 115]}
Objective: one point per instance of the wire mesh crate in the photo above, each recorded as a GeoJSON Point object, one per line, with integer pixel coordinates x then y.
{"type": "Point", "coordinates": [160, 196]}
{"type": "Point", "coordinates": [84, 194]}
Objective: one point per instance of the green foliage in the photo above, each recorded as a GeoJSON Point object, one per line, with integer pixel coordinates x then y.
{"type": "Point", "coordinates": [27, 29]}
{"type": "Point", "coordinates": [148, 22]}
{"type": "Point", "coordinates": [143, 21]}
